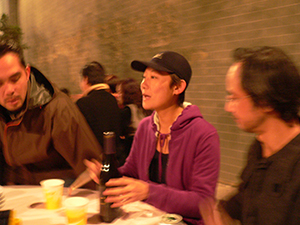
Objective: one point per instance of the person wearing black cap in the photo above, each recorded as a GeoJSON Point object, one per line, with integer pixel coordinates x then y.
{"type": "Point", "coordinates": [174, 160]}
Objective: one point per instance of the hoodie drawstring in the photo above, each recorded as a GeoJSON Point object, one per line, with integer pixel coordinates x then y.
{"type": "Point", "coordinates": [162, 140]}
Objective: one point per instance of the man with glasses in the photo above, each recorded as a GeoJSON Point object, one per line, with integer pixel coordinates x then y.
{"type": "Point", "coordinates": [263, 86]}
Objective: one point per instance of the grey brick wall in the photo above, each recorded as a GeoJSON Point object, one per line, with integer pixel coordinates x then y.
{"type": "Point", "coordinates": [64, 35]}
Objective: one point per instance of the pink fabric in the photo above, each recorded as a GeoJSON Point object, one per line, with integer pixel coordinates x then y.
{"type": "Point", "coordinates": [193, 166]}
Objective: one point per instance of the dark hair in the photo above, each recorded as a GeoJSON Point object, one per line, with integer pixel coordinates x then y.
{"type": "Point", "coordinates": [132, 94]}
{"type": "Point", "coordinates": [112, 81]}
{"type": "Point", "coordinates": [176, 81]}
{"type": "Point", "coordinates": [94, 72]}
{"type": "Point", "coordinates": [271, 79]}
{"type": "Point", "coordinates": [12, 46]}
{"type": "Point", "coordinates": [66, 91]}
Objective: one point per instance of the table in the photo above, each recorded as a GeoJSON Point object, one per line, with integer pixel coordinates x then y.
{"type": "Point", "coordinates": [28, 203]}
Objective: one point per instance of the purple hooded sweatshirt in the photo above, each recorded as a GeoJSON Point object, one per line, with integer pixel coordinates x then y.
{"type": "Point", "coordinates": [192, 168]}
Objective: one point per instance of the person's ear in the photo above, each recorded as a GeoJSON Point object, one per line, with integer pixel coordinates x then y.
{"type": "Point", "coordinates": [267, 109]}
{"type": "Point", "coordinates": [179, 88]}
{"type": "Point", "coordinates": [85, 79]}
{"type": "Point", "coordinates": [27, 71]}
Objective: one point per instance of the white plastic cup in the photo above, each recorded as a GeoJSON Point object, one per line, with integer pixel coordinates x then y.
{"type": "Point", "coordinates": [76, 210]}
{"type": "Point", "coordinates": [53, 192]}
{"type": "Point", "coordinates": [2, 199]}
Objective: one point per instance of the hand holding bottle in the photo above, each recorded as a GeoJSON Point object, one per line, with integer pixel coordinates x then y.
{"type": "Point", "coordinates": [109, 170]}
{"type": "Point", "coordinates": [125, 190]}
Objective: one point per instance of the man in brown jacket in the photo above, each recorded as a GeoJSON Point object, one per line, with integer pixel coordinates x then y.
{"type": "Point", "coordinates": [42, 132]}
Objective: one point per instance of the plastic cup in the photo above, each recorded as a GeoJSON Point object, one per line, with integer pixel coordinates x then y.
{"type": "Point", "coordinates": [53, 192]}
{"type": "Point", "coordinates": [76, 210]}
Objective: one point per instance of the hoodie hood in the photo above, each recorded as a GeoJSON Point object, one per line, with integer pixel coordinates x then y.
{"type": "Point", "coordinates": [189, 113]}
{"type": "Point", "coordinates": [40, 90]}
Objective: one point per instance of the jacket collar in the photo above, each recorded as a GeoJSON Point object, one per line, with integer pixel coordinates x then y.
{"type": "Point", "coordinates": [37, 94]}
{"type": "Point", "coordinates": [95, 87]}
{"type": "Point", "coordinates": [156, 119]}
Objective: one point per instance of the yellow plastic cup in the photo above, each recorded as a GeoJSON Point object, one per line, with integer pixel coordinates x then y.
{"type": "Point", "coordinates": [53, 192]}
{"type": "Point", "coordinates": [76, 210]}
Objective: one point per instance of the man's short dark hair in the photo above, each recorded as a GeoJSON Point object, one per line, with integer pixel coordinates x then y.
{"type": "Point", "coordinates": [270, 77]}
{"type": "Point", "coordinates": [7, 46]}
{"type": "Point", "coordinates": [94, 72]}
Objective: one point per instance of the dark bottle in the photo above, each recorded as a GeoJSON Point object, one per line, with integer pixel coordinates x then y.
{"type": "Point", "coordinates": [109, 170]}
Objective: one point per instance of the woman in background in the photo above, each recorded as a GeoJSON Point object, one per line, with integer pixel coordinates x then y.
{"type": "Point", "coordinates": [129, 95]}
{"type": "Point", "coordinates": [112, 81]}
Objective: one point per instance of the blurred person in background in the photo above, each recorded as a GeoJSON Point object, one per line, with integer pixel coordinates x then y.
{"type": "Point", "coordinates": [174, 160]}
{"type": "Point", "coordinates": [66, 91]}
{"type": "Point", "coordinates": [42, 133]}
{"type": "Point", "coordinates": [129, 95]}
{"type": "Point", "coordinates": [97, 105]}
{"type": "Point", "coordinates": [263, 86]}
{"type": "Point", "coordinates": [112, 81]}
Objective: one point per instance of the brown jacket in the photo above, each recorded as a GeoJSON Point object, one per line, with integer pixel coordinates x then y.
{"type": "Point", "coordinates": [48, 139]}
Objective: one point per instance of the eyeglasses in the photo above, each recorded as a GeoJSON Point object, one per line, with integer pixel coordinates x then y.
{"type": "Point", "coordinates": [229, 99]}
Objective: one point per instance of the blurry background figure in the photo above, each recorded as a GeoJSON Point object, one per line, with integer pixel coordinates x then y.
{"type": "Point", "coordinates": [74, 97]}
{"type": "Point", "coordinates": [97, 105]}
{"type": "Point", "coordinates": [112, 81]}
{"type": "Point", "coordinates": [129, 96]}
{"type": "Point", "coordinates": [66, 91]}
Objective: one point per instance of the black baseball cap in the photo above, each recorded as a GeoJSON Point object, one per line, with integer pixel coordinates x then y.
{"type": "Point", "coordinates": [167, 61]}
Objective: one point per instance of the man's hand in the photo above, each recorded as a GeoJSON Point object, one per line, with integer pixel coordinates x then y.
{"type": "Point", "coordinates": [94, 168]}
{"type": "Point", "coordinates": [214, 214]}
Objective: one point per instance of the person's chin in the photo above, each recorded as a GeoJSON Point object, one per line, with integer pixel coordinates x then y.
{"type": "Point", "coordinates": [245, 129]}
{"type": "Point", "coordinates": [147, 107]}
{"type": "Point", "coordinates": [239, 125]}
{"type": "Point", "coordinates": [13, 108]}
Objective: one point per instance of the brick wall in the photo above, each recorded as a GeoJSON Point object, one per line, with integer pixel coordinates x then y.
{"type": "Point", "coordinates": [64, 35]}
